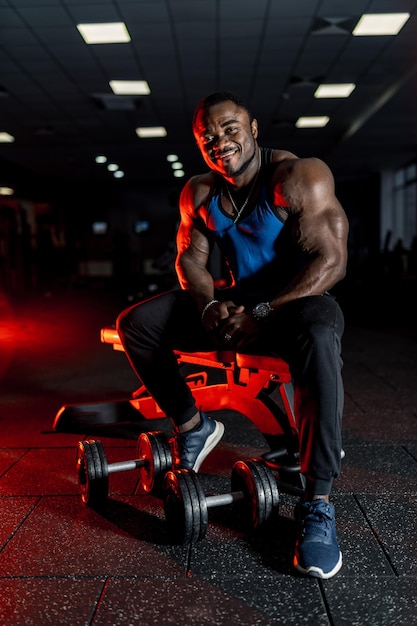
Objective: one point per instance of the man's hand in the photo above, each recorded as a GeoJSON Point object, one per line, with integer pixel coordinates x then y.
{"type": "Point", "coordinates": [217, 313]}
{"type": "Point", "coordinates": [239, 330]}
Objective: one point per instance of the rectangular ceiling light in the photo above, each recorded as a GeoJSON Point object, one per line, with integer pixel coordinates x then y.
{"type": "Point", "coordinates": [130, 87]}
{"type": "Point", "coordinates": [6, 138]}
{"type": "Point", "coordinates": [374, 24]}
{"type": "Point", "coordinates": [145, 132]}
{"type": "Point", "coordinates": [110, 32]}
{"type": "Point", "coordinates": [312, 122]}
{"type": "Point", "coordinates": [340, 90]}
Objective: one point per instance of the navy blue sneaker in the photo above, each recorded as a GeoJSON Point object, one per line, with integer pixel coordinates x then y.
{"type": "Point", "coordinates": [196, 444]}
{"type": "Point", "coordinates": [317, 552]}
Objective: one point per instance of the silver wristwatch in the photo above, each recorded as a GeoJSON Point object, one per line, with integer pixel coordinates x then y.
{"type": "Point", "coordinates": [262, 310]}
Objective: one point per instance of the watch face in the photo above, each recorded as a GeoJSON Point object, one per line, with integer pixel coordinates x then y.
{"type": "Point", "coordinates": [262, 310]}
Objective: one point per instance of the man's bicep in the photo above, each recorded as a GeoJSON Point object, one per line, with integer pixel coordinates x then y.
{"type": "Point", "coordinates": [322, 229]}
{"type": "Point", "coordinates": [192, 242]}
{"type": "Point", "coordinates": [321, 214]}
{"type": "Point", "coordinates": [334, 231]}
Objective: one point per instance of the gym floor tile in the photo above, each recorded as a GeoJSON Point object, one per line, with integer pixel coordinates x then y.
{"type": "Point", "coordinates": [41, 472]}
{"type": "Point", "coordinates": [371, 601]}
{"type": "Point", "coordinates": [13, 512]}
{"type": "Point", "coordinates": [48, 601]}
{"type": "Point", "coordinates": [150, 602]}
{"type": "Point", "coordinates": [122, 539]}
{"type": "Point", "coordinates": [9, 456]}
{"type": "Point", "coordinates": [393, 523]}
{"type": "Point", "coordinates": [378, 468]}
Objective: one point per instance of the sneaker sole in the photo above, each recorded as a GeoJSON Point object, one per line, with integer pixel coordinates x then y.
{"type": "Point", "coordinates": [211, 442]}
{"type": "Point", "coordinates": [317, 572]}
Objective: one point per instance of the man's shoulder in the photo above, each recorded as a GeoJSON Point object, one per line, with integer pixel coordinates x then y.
{"type": "Point", "coordinates": [285, 167]}
{"type": "Point", "coordinates": [201, 186]}
{"type": "Point", "coordinates": [280, 164]}
{"type": "Point", "coordinates": [278, 156]}
{"type": "Point", "coordinates": [205, 179]}
{"type": "Point", "coordinates": [287, 159]}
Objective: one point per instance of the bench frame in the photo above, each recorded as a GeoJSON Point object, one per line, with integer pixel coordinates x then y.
{"type": "Point", "coordinates": [258, 387]}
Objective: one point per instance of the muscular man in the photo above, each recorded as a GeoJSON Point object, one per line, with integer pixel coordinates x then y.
{"type": "Point", "coordinates": [283, 236]}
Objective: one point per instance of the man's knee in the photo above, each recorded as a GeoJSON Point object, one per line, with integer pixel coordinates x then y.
{"type": "Point", "coordinates": [322, 317]}
{"type": "Point", "coordinates": [129, 319]}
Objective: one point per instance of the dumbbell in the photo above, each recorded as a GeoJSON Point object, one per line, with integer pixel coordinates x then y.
{"type": "Point", "coordinates": [153, 460]}
{"type": "Point", "coordinates": [253, 490]}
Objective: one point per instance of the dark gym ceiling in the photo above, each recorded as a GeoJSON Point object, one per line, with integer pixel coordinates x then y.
{"type": "Point", "coordinates": [56, 101]}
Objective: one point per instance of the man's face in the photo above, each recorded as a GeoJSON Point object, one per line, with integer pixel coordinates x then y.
{"type": "Point", "coordinates": [226, 138]}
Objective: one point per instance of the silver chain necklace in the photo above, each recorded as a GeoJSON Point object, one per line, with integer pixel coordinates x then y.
{"type": "Point", "coordinates": [233, 203]}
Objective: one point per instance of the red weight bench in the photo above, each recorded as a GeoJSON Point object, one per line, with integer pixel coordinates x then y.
{"type": "Point", "coordinates": [258, 387]}
{"type": "Point", "coordinates": [249, 381]}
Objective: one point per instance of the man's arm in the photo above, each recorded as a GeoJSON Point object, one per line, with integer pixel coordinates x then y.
{"type": "Point", "coordinates": [322, 227]}
{"type": "Point", "coordinates": [193, 248]}
{"type": "Point", "coordinates": [193, 251]}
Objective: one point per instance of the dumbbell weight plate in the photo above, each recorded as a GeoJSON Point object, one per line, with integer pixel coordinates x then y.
{"type": "Point", "coordinates": [185, 507]}
{"type": "Point", "coordinates": [92, 472]}
{"type": "Point", "coordinates": [154, 449]}
{"type": "Point", "coordinates": [261, 496]}
{"type": "Point", "coordinates": [271, 492]}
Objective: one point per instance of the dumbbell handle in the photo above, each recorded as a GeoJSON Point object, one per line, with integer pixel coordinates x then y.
{"type": "Point", "coordinates": [224, 499]}
{"type": "Point", "coordinates": [123, 466]}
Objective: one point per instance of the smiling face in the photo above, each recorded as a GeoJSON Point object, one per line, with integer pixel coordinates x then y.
{"type": "Point", "coordinates": [226, 138]}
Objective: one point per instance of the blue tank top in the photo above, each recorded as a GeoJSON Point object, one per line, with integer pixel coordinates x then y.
{"type": "Point", "coordinates": [255, 248]}
{"type": "Point", "coordinates": [248, 245]}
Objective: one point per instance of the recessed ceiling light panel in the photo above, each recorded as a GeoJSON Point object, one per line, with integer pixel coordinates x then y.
{"type": "Point", "coordinates": [110, 32]}
{"type": "Point", "coordinates": [377, 24]}
{"type": "Point", "coordinates": [146, 132]}
{"type": "Point", "coordinates": [6, 191]}
{"type": "Point", "coordinates": [130, 87]}
{"type": "Point", "coordinates": [6, 138]}
{"type": "Point", "coordinates": [312, 121]}
{"type": "Point", "coordinates": [337, 90]}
